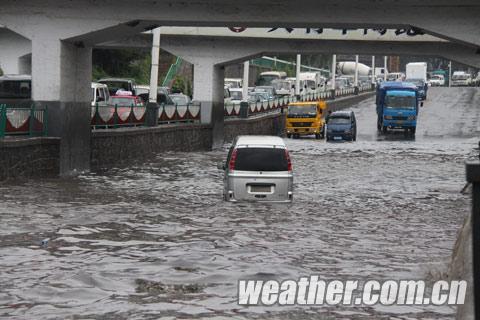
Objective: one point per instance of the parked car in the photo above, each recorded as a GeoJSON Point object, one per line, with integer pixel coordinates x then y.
{"type": "Point", "coordinates": [233, 83]}
{"type": "Point", "coordinates": [342, 125]}
{"type": "Point", "coordinates": [461, 78]}
{"type": "Point", "coordinates": [258, 96]}
{"type": "Point", "coordinates": [100, 94]}
{"type": "Point", "coordinates": [163, 95]}
{"type": "Point", "coordinates": [437, 80]}
{"type": "Point", "coordinates": [236, 95]}
{"type": "Point", "coordinates": [258, 168]}
{"type": "Point", "coordinates": [126, 101]}
{"type": "Point", "coordinates": [180, 99]}
{"type": "Point", "coordinates": [119, 84]}
{"type": "Point", "coordinates": [267, 89]}
{"type": "Point", "coordinates": [16, 90]}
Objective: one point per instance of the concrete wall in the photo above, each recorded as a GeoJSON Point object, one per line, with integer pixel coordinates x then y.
{"type": "Point", "coordinates": [347, 102]}
{"type": "Point", "coordinates": [273, 124]}
{"type": "Point", "coordinates": [29, 157]}
{"type": "Point", "coordinates": [461, 268]}
{"type": "Point", "coordinates": [119, 147]}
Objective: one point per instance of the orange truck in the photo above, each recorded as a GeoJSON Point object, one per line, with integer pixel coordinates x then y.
{"type": "Point", "coordinates": [306, 118]}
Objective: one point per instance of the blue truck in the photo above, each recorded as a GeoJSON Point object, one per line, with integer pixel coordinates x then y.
{"type": "Point", "coordinates": [397, 106]}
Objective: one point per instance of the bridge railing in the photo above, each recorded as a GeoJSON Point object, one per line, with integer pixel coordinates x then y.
{"type": "Point", "coordinates": [117, 116]}
{"type": "Point", "coordinates": [31, 121]}
{"type": "Point", "coordinates": [135, 115]}
{"type": "Point", "coordinates": [235, 109]}
{"type": "Point", "coordinates": [168, 113]}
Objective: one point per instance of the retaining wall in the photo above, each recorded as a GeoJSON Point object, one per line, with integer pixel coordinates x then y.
{"type": "Point", "coordinates": [116, 147]}
{"type": "Point", "coordinates": [31, 157]}
{"type": "Point", "coordinates": [24, 157]}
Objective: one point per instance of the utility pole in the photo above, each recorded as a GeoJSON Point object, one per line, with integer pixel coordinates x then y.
{"type": "Point", "coordinates": [373, 70]}
{"type": "Point", "coordinates": [297, 78]}
{"type": "Point", "coordinates": [246, 70]}
{"type": "Point", "coordinates": [385, 68]}
{"type": "Point", "coordinates": [334, 70]}
{"type": "Point", "coordinates": [356, 71]}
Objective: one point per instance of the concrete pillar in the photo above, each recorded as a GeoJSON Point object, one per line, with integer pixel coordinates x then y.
{"type": "Point", "coordinates": [373, 70]}
{"type": "Point", "coordinates": [334, 70]}
{"type": "Point", "coordinates": [14, 52]}
{"type": "Point", "coordinates": [154, 68]}
{"type": "Point", "coordinates": [246, 70]}
{"type": "Point", "coordinates": [208, 89]}
{"type": "Point", "coordinates": [297, 74]}
{"type": "Point", "coordinates": [385, 68]}
{"type": "Point", "coordinates": [450, 73]}
{"type": "Point", "coordinates": [61, 77]}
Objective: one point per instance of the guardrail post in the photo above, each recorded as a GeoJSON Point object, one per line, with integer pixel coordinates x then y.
{"type": "Point", "coordinates": [131, 114]}
{"type": "Point", "coordinates": [473, 177]}
{"type": "Point", "coordinates": [31, 119]}
{"type": "Point", "coordinates": [115, 116]}
{"type": "Point", "coordinates": [96, 116]}
{"type": "Point", "coordinates": [151, 114]}
{"type": "Point", "coordinates": [3, 119]}
{"type": "Point", "coordinates": [356, 91]}
{"type": "Point", "coordinates": [45, 121]}
{"type": "Point", "coordinates": [244, 106]}
{"type": "Point", "coordinates": [332, 94]}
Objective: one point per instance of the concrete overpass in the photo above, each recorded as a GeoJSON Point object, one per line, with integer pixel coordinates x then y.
{"type": "Point", "coordinates": [63, 33]}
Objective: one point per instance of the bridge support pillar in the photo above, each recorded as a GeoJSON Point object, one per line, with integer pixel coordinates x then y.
{"type": "Point", "coordinates": [14, 53]}
{"type": "Point", "coordinates": [208, 89]}
{"type": "Point", "coordinates": [61, 77]}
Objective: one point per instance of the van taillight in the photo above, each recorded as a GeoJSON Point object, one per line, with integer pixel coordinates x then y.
{"type": "Point", "coordinates": [233, 158]}
{"type": "Point", "coordinates": [289, 162]}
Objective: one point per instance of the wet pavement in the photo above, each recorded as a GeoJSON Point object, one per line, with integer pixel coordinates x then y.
{"type": "Point", "coordinates": [156, 241]}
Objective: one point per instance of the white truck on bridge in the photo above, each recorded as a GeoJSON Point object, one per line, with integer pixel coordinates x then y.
{"type": "Point", "coordinates": [417, 70]}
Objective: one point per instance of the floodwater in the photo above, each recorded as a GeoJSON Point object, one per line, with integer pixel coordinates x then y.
{"type": "Point", "coordinates": [156, 241]}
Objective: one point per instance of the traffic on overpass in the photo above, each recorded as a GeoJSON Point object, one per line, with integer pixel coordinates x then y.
{"type": "Point", "coordinates": [158, 162]}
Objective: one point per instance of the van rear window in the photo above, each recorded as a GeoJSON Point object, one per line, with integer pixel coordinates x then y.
{"type": "Point", "coordinates": [261, 159]}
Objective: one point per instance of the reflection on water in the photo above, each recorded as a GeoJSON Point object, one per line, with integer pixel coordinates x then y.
{"type": "Point", "coordinates": [156, 240]}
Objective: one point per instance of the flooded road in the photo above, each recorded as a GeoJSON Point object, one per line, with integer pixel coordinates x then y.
{"type": "Point", "coordinates": [156, 241]}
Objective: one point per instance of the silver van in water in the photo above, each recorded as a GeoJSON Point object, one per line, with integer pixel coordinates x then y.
{"type": "Point", "coordinates": [258, 168]}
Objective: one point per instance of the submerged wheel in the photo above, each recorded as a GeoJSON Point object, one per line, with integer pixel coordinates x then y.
{"type": "Point", "coordinates": [413, 130]}
{"type": "Point", "coordinates": [289, 135]}
{"type": "Point", "coordinates": [384, 129]}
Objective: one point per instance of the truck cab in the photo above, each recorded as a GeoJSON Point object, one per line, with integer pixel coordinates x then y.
{"type": "Point", "coordinates": [397, 106]}
{"type": "Point", "coordinates": [306, 118]}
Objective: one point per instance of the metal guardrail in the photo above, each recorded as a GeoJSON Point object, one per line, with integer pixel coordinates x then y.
{"type": "Point", "coordinates": [235, 110]}
{"type": "Point", "coordinates": [117, 116]}
{"type": "Point", "coordinates": [30, 121]}
{"type": "Point", "coordinates": [179, 113]}
{"type": "Point", "coordinates": [103, 117]}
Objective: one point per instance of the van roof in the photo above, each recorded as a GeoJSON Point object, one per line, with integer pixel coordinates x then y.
{"type": "Point", "coordinates": [341, 113]}
{"type": "Point", "coordinates": [16, 77]}
{"type": "Point", "coordinates": [260, 141]}
{"type": "Point", "coordinates": [98, 85]}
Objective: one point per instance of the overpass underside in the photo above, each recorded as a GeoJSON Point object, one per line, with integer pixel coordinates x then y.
{"type": "Point", "coordinates": [61, 34]}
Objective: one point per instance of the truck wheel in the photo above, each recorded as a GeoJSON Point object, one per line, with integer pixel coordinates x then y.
{"type": "Point", "coordinates": [317, 136]}
{"type": "Point", "coordinates": [379, 125]}
{"type": "Point", "coordinates": [413, 130]}
{"type": "Point", "coordinates": [384, 129]}
{"type": "Point", "coordinates": [289, 135]}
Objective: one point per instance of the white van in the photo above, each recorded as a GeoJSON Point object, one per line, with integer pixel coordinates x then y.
{"type": "Point", "coordinates": [100, 94]}
{"type": "Point", "coordinates": [258, 168]}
